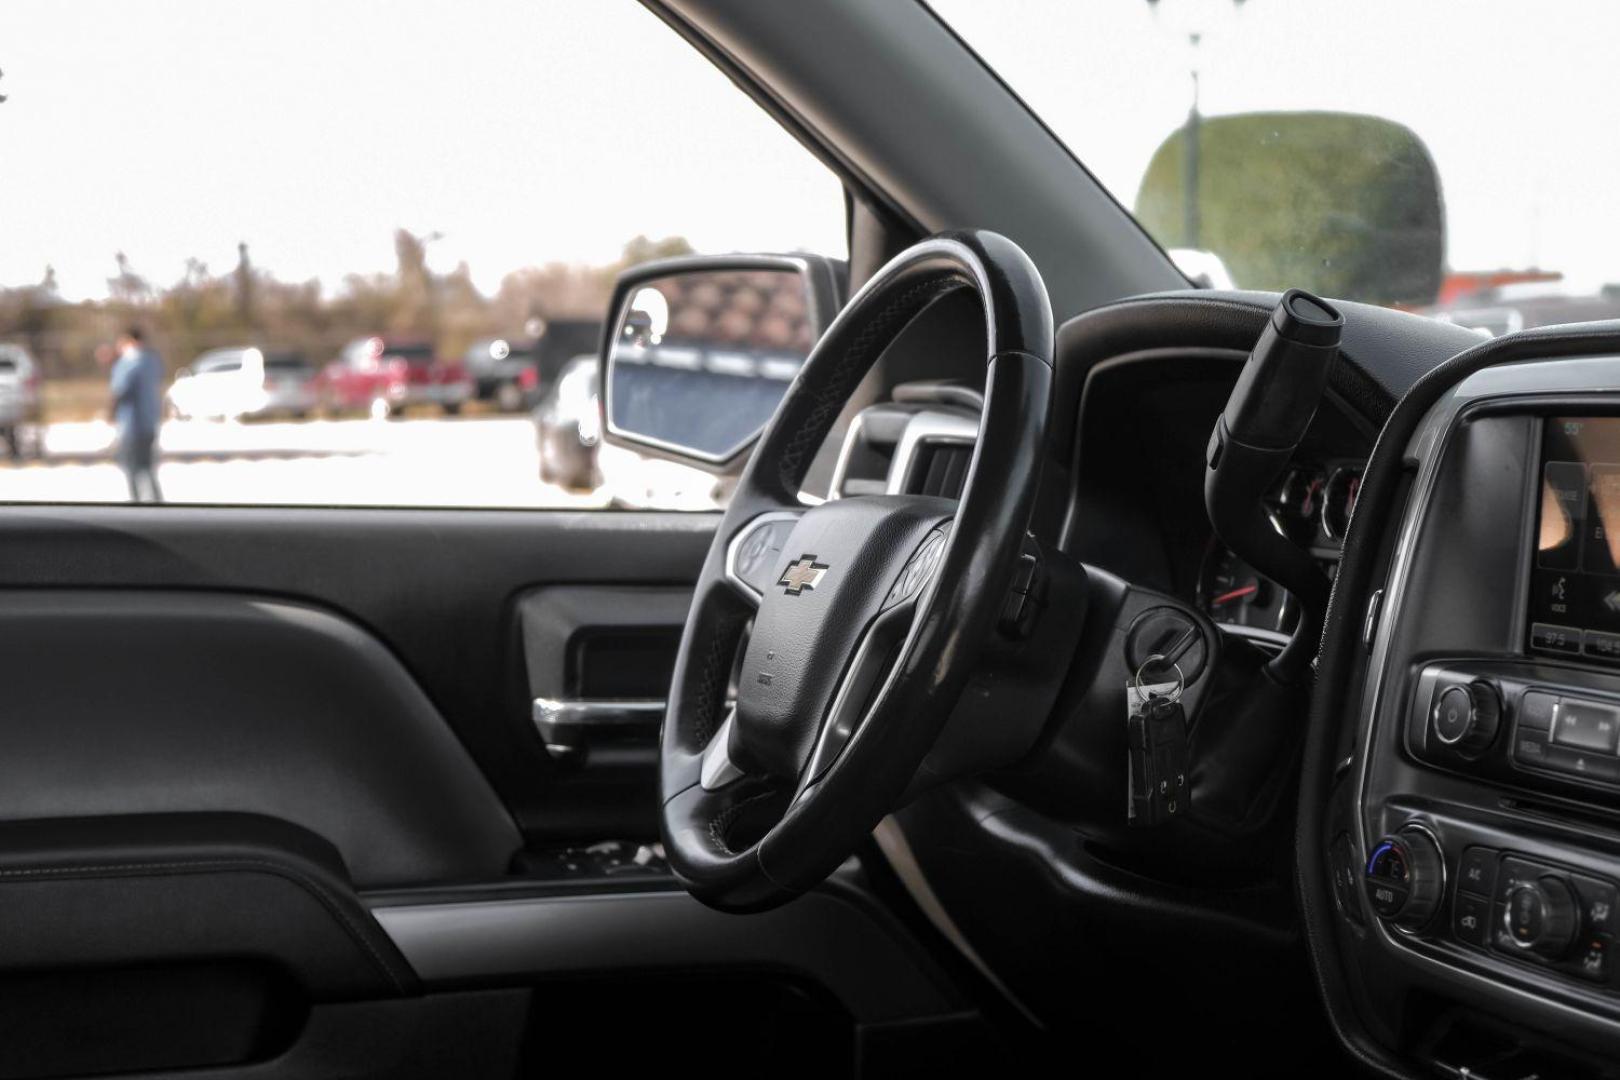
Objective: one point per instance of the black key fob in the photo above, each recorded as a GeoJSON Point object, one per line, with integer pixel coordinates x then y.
{"type": "Point", "coordinates": [1157, 740]}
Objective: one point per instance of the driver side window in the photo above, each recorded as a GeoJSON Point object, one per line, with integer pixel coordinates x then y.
{"type": "Point", "coordinates": [407, 275]}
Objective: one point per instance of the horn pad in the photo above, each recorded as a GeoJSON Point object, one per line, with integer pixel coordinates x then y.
{"type": "Point", "coordinates": [831, 580]}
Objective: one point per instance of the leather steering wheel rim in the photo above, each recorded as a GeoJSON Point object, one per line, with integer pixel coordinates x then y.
{"type": "Point", "coordinates": [756, 808]}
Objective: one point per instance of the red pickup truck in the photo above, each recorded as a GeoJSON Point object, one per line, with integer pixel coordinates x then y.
{"type": "Point", "coordinates": [382, 376]}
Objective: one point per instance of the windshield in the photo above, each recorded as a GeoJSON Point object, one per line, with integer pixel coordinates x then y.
{"type": "Point", "coordinates": [1456, 157]}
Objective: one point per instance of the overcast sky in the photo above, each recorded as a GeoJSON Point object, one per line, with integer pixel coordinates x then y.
{"type": "Point", "coordinates": [1517, 100]}
{"type": "Point", "coordinates": [529, 131]}
{"type": "Point", "coordinates": [525, 131]}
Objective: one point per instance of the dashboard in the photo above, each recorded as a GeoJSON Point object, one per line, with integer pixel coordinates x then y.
{"type": "Point", "coordinates": [1144, 428]}
{"type": "Point", "coordinates": [1476, 851]}
{"type": "Point", "coordinates": [1434, 815]}
{"type": "Point", "coordinates": [1459, 801]}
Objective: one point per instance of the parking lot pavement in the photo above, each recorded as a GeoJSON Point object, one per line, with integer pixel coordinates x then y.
{"type": "Point", "coordinates": [415, 462]}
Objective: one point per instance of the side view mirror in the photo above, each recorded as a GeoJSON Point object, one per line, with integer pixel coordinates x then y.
{"type": "Point", "coordinates": [699, 351]}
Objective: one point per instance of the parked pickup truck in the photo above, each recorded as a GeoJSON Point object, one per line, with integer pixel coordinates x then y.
{"type": "Point", "coordinates": [514, 372]}
{"type": "Point", "coordinates": [382, 376]}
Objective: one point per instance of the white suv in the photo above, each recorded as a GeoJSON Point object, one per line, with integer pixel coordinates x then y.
{"type": "Point", "coordinates": [21, 411]}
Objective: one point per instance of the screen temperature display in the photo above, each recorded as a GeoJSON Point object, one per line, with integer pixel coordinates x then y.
{"type": "Point", "coordinates": [1575, 582]}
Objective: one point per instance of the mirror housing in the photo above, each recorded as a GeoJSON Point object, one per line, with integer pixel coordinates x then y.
{"type": "Point", "coordinates": [698, 350]}
{"type": "Point", "coordinates": [1341, 204]}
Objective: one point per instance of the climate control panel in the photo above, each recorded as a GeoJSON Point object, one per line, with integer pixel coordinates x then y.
{"type": "Point", "coordinates": [1535, 912]}
{"type": "Point", "coordinates": [1497, 902]}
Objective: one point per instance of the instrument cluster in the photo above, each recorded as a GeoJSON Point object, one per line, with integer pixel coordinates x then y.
{"type": "Point", "coordinates": [1311, 505]}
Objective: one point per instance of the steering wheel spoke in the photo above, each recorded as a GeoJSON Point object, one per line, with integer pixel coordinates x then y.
{"type": "Point", "coordinates": [718, 770]}
{"type": "Point", "coordinates": [875, 658]}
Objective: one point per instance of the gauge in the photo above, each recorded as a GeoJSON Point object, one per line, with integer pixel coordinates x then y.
{"type": "Point", "coordinates": [1339, 500]}
{"type": "Point", "coordinates": [1296, 502]}
{"type": "Point", "coordinates": [1232, 592]}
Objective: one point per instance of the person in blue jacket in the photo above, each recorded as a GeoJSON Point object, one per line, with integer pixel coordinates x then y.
{"type": "Point", "coordinates": [136, 383]}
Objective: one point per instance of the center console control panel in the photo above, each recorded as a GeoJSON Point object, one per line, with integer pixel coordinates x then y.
{"type": "Point", "coordinates": [1483, 803]}
{"type": "Point", "coordinates": [1515, 906]}
{"type": "Point", "coordinates": [1521, 723]}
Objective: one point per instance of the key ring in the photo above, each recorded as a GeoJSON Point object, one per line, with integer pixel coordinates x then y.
{"type": "Point", "coordinates": [1141, 688]}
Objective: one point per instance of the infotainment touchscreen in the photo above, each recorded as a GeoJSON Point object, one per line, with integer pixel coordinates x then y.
{"type": "Point", "coordinates": [1575, 582]}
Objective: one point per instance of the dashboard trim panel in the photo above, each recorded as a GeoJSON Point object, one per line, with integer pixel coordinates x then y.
{"type": "Point", "coordinates": [1581, 386]}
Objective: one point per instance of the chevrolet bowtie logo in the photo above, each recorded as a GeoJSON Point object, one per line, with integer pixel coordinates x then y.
{"type": "Point", "coordinates": [802, 575]}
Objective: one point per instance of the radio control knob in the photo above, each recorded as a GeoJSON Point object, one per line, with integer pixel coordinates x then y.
{"type": "Point", "coordinates": [1540, 916]}
{"type": "Point", "coordinates": [1466, 716]}
{"type": "Point", "coordinates": [1406, 877]}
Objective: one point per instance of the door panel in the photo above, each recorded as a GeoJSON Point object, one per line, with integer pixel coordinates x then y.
{"type": "Point", "coordinates": [209, 701]}
{"type": "Point", "coordinates": [273, 800]}
{"type": "Point", "coordinates": [436, 588]}
{"type": "Point", "coordinates": [221, 726]}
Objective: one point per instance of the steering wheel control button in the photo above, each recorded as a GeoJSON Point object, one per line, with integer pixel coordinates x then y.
{"type": "Point", "coordinates": [1465, 717]}
{"type": "Point", "coordinates": [755, 554]}
{"type": "Point", "coordinates": [1025, 595]}
{"type": "Point", "coordinates": [1476, 872]}
{"type": "Point", "coordinates": [918, 569]}
{"type": "Point", "coordinates": [1406, 878]}
{"type": "Point", "coordinates": [1586, 725]}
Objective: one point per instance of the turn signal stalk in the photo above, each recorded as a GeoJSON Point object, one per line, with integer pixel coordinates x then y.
{"type": "Point", "coordinates": [1276, 395]}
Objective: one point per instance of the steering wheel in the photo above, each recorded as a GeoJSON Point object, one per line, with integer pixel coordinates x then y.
{"type": "Point", "coordinates": [863, 615]}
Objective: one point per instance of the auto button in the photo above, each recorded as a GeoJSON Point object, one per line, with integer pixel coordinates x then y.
{"type": "Point", "coordinates": [1405, 878]}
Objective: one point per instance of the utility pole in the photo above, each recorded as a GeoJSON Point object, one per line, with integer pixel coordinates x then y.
{"type": "Point", "coordinates": [1190, 223]}
{"type": "Point", "coordinates": [1190, 17]}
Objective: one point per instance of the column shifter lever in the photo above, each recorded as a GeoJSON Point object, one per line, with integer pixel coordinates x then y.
{"type": "Point", "coordinates": [1271, 406]}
